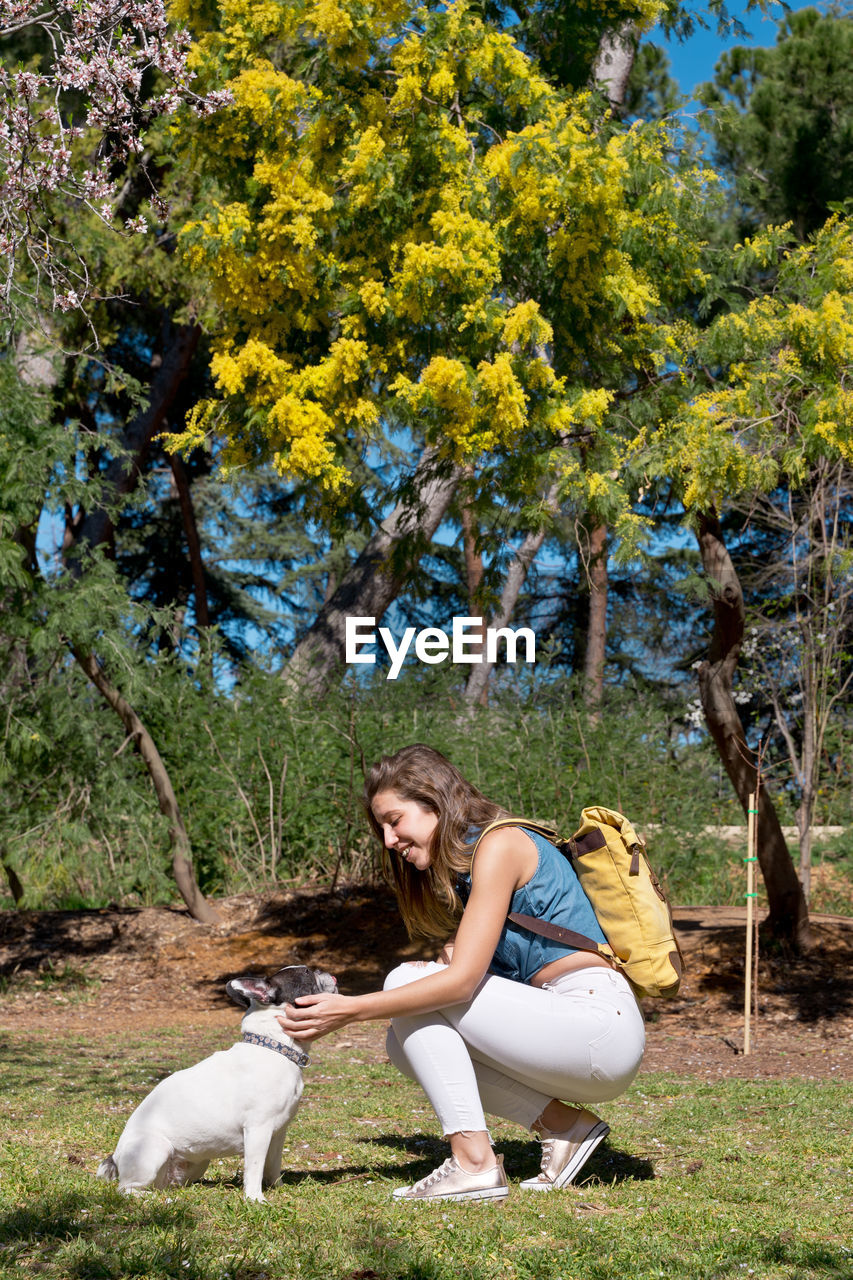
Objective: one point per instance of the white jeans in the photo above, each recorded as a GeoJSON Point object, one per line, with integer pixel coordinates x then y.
{"type": "Point", "coordinates": [514, 1047]}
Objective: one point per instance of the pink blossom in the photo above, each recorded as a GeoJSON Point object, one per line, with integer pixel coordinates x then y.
{"type": "Point", "coordinates": [103, 49]}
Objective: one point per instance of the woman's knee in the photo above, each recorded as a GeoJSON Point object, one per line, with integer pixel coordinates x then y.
{"type": "Point", "coordinates": [410, 972]}
{"type": "Point", "coordinates": [396, 1054]}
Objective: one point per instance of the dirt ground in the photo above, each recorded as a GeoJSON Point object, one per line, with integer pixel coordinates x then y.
{"type": "Point", "coordinates": [85, 972]}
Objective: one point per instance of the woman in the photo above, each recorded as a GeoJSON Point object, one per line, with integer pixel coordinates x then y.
{"type": "Point", "coordinates": [505, 1021]}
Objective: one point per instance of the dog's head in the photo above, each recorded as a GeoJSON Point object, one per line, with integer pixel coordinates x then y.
{"type": "Point", "coordinates": [282, 987]}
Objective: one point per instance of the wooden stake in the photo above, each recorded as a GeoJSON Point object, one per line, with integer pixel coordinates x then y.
{"type": "Point", "coordinates": [751, 815]}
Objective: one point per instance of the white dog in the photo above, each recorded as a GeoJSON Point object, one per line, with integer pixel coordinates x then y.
{"type": "Point", "coordinates": [239, 1100]}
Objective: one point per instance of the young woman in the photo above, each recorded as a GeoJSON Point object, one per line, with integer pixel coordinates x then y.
{"type": "Point", "coordinates": [505, 1020]}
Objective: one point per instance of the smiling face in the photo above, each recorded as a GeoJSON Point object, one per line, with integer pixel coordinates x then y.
{"type": "Point", "coordinates": [407, 827]}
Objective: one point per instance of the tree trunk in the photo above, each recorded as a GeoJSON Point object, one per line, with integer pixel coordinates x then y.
{"type": "Point", "coordinates": [809, 770]}
{"type": "Point", "coordinates": [614, 61]}
{"type": "Point", "coordinates": [182, 868]}
{"type": "Point", "coordinates": [610, 72]}
{"type": "Point", "coordinates": [179, 347]}
{"type": "Point", "coordinates": [473, 558]}
{"type": "Point", "coordinates": [15, 887]}
{"type": "Point", "coordinates": [597, 627]}
{"type": "Point", "coordinates": [805, 816]}
{"type": "Point", "coordinates": [182, 488]}
{"type": "Point", "coordinates": [516, 576]}
{"type": "Point", "coordinates": [373, 581]}
{"type": "Point", "coordinates": [806, 807]}
{"type": "Point", "coordinates": [473, 580]}
{"type": "Point", "coordinates": [789, 918]}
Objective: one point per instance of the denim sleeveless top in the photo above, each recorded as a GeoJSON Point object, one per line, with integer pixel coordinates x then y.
{"type": "Point", "coordinates": [552, 893]}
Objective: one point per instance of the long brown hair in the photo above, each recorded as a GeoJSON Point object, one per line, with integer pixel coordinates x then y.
{"type": "Point", "coordinates": [428, 901]}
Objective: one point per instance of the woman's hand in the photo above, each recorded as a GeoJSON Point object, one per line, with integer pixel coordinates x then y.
{"type": "Point", "coordinates": [313, 1016]}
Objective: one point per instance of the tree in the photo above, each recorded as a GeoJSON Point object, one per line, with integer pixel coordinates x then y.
{"type": "Point", "coordinates": [788, 907]}
{"type": "Point", "coordinates": [91, 78]}
{"type": "Point", "coordinates": [777, 408]}
{"type": "Point", "coordinates": [382, 284]}
{"type": "Point", "coordinates": [610, 73]}
{"type": "Point", "coordinates": [782, 121]}
{"type": "Point", "coordinates": [797, 655]}
{"type": "Point", "coordinates": [416, 233]}
{"type": "Point", "coordinates": [651, 92]}
{"type": "Point", "coordinates": [517, 571]}
{"type": "Point", "coordinates": [633, 81]}
{"type": "Point", "coordinates": [39, 456]}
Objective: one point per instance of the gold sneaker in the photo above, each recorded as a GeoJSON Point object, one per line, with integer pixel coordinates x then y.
{"type": "Point", "coordinates": [451, 1182]}
{"type": "Point", "coordinates": [564, 1154]}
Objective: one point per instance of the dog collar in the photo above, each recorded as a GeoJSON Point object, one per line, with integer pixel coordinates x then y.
{"type": "Point", "coordinates": [267, 1042]}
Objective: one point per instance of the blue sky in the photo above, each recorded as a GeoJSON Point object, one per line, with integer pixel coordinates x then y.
{"type": "Point", "coordinates": [693, 61]}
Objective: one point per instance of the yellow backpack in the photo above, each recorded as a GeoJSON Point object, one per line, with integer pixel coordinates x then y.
{"type": "Point", "coordinates": [610, 861]}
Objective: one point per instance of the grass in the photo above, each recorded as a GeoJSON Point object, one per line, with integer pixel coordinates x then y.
{"type": "Point", "coordinates": [730, 1178]}
{"type": "Point", "coordinates": [832, 874]}
{"type": "Point", "coordinates": [701, 870]}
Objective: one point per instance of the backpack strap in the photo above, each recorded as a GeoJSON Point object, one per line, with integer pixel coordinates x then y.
{"type": "Point", "coordinates": [548, 832]}
{"type": "Point", "coordinates": [571, 848]}
{"type": "Point", "coordinates": [577, 940]}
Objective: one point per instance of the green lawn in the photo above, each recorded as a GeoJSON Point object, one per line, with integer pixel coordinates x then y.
{"type": "Point", "coordinates": [698, 1179]}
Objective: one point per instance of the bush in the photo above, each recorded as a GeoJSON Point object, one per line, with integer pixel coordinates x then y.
{"type": "Point", "coordinates": [269, 783]}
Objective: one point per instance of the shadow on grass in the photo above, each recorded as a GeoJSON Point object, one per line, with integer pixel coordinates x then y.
{"type": "Point", "coordinates": [89, 1069]}
{"type": "Point", "coordinates": [521, 1158]}
{"type": "Point", "coordinates": [808, 1258]}
{"type": "Point", "coordinates": [425, 1152]}
{"type": "Point", "coordinates": [78, 1235]}
{"type": "Point", "coordinates": [70, 1213]}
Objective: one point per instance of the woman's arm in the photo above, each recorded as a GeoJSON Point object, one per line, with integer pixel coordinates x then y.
{"type": "Point", "coordinates": [505, 860]}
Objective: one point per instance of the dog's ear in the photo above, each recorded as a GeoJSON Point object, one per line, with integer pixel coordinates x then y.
{"type": "Point", "coordinates": [251, 987]}
{"type": "Point", "coordinates": [325, 981]}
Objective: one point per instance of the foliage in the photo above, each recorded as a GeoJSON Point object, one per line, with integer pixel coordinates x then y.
{"type": "Point", "coordinates": [795, 667]}
{"type": "Point", "coordinates": [416, 230]}
{"type": "Point", "coordinates": [778, 370]}
{"type": "Point", "coordinates": [782, 121]}
{"type": "Point", "coordinates": [74, 113]}
{"type": "Point", "coordinates": [80, 825]}
{"type": "Point", "coordinates": [269, 787]}
{"type": "Point", "coordinates": [565, 37]}
{"type": "Point", "coordinates": [259, 561]}
{"type": "Point", "coordinates": [67, 786]}
{"type": "Point", "coordinates": [718, 1177]}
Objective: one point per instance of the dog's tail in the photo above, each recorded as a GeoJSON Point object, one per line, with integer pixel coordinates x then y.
{"type": "Point", "coordinates": [108, 1170]}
